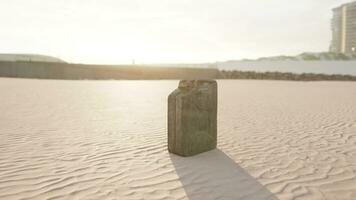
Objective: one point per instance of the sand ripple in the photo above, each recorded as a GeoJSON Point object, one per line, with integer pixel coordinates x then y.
{"type": "Point", "coordinates": [107, 140]}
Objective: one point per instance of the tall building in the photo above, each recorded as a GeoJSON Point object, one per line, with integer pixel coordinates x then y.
{"type": "Point", "coordinates": [343, 27]}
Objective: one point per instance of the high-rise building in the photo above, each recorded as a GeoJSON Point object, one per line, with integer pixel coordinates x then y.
{"type": "Point", "coordinates": [343, 27]}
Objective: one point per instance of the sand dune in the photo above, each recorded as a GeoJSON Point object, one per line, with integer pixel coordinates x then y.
{"type": "Point", "coordinates": [107, 140]}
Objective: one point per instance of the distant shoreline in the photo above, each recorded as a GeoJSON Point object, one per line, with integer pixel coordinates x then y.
{"type": "Point", "coordinates": [235, 74]}
{"type": "Point", "coordinates": [67, 71]}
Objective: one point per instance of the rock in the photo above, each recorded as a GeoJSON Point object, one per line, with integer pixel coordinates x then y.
{"type": "Point", "coordinates": [192, 117]}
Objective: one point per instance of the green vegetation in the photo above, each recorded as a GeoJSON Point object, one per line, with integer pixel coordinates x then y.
{"type": "Point", "coordinates": [283, 76]}
{"type": "Point", "coordinates": [326, 56]}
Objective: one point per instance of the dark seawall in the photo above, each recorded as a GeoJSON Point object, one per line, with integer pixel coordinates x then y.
{"type": "Point", "coordinates": [47, 70]}
{"type": "Point", "coordinates": [66, 71]}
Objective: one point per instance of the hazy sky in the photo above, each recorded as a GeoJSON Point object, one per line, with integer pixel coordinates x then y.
{"type": "Point", "coordinates": [117, 31]}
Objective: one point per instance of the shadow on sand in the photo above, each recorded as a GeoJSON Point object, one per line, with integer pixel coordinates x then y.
{"type": "Point", "coordinates": [213, 175]}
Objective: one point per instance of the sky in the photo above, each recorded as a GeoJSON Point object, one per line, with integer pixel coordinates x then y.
{"type": "Point", "coordinates": [164, 31]}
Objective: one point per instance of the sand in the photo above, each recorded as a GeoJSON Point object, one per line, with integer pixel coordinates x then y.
{"type": "Point", "coordinates": [107, 140]}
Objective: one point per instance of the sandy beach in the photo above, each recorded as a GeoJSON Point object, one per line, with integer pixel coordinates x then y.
{"type": "Point", "coordinates": [108, 140]}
